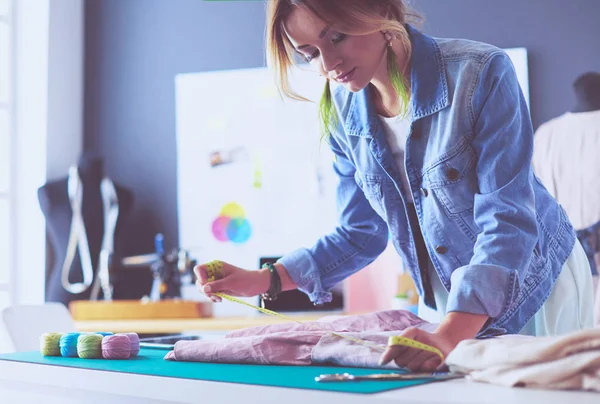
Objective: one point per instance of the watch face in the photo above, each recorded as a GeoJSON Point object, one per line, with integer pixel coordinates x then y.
{"type": "Point", "coordinates": [266, 296]}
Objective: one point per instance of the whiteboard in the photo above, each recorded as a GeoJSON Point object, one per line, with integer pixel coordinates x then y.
{"type": "Point", "coordinates": [254, 177]}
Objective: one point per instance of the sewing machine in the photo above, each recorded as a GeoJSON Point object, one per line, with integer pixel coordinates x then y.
{"type": "Point", "coordinates": [170, 269]}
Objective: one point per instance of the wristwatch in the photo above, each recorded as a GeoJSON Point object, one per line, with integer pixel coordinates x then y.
{"type": "Point", "coordinates": [275, 287]}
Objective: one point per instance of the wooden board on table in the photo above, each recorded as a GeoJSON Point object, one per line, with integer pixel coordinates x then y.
{"type": "Point", "coordinates": [136, 309]}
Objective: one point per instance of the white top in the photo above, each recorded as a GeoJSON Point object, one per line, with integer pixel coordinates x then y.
{"type": "Point", "coordinates": [396, 131]}
{"type": "Point", "coordinates": [566, 157]}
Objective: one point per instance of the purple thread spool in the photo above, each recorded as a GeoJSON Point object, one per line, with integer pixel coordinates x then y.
{"type": "Point", "coordinates": [116, 347]}
{"type": "Point", "coordinates": [135, 342]}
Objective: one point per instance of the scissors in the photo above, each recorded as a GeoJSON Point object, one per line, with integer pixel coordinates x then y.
{"type": "Point", "coordinates": [347, 377]}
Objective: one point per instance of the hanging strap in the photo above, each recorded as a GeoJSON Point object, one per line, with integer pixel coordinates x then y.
{"type": "Point", "coordinates": [77, 238]}
{"type": "Point", "coordinates": [110, 204]}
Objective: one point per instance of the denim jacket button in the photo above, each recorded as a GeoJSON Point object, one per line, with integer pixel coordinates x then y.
{"type": "Point", "coordinates": [424, 192]}
{"type": "Point", "coordinates": [453, 174]}
{"type": "Point", "coordinates": [441, 249]}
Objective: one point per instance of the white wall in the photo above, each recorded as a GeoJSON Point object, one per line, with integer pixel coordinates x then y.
{"type": "Point", "coordinates": [48, 98]}
{"type": "Point", "coordinates": [65, 86]}
{"type": "Point", "coordinates": [49, 110]}
{"type": "Point", "coordinates": [31, 55]}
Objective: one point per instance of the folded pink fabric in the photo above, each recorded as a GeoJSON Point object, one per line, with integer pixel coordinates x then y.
{"type": "Point", "coordinates": [303, 344]}
{"type": "Point", "coordinates": [569, 361]}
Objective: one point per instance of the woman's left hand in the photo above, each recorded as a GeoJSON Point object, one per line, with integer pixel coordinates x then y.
{"type": "Point", "coordinates": [455, 327]}
{"type": "Point", "coordinates": [417, 360]}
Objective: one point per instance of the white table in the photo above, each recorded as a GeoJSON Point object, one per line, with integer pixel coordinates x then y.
{"type": "Point", "coordinates": [35, 383]}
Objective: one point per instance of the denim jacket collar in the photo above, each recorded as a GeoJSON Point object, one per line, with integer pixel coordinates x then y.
{"type": "Point", "coordinates": [429, 89]}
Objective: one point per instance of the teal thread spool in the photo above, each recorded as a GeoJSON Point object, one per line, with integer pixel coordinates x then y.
{"type": "Point", "coordinates": [49, 343]}
{"type": "Point", "coordinates": [104, 333]}
{"type": "Point", "coordinates": [89, 346]}
{"type": "Point", "coordinates": [68, 344]}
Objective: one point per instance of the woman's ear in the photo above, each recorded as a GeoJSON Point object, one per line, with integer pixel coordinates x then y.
{"type": "Point", "coordinates": [387, 36]}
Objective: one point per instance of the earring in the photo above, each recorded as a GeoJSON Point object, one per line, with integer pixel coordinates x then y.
{"type": "Point", "coordinates": [391, 55]}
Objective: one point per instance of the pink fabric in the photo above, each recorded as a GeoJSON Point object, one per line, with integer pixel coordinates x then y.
{"type": "Point", "coordinates": [303, 344]}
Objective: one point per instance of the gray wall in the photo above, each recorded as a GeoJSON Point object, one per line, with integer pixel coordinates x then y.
{"type": "Point", "coordinates": [562, 37]}
{"type": "Point", "coordinates": [135, 47]}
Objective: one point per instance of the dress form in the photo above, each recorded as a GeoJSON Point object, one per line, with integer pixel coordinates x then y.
{"type": "Point", "coordinates": [56, 206]}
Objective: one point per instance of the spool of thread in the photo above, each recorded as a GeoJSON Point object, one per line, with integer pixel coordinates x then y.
{"type": "Point", "coordinates": [104, 333]}
{"type": "Point", "coordinates": [135, 343]}
{"type": "Point", "coordinates": [116, 346]}
{"type": "Point", "coordinates": [68, 344]}
{"type": "Point", "coordinates": [89, 346]}
{"type": "Point", "coordinates": [49, 343]}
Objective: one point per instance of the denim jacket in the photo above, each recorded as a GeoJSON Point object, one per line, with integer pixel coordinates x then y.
{"type": "Point", "coordinates": [496, 237]}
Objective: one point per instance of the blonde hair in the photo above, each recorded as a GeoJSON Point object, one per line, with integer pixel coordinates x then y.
{"type": "Point", "coordinates": [353, 17]}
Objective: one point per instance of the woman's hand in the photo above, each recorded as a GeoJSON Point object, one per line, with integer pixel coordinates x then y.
{"type": "Point", "coordinates": [456, 327]}
{"type": "Point", "coordinates": [233, 281]}
{"type": "Point", "coordinates": [417, 360]}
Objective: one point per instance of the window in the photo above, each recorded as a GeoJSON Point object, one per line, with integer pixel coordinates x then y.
{"type": "Point", "coordinates": [6, 61]}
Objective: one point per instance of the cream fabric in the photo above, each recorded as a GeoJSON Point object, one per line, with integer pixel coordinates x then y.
{"type": "Point", "coordinates": [564, 362]}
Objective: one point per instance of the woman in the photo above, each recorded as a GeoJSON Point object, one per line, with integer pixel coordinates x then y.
{"type": "Point", "coordinates": [433, 143]}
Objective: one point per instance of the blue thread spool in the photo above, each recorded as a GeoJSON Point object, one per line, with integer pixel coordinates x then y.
{"type": "Point", "coordinates": [68, 344]}
{"type": "Point", "coordinates": [104, 333]}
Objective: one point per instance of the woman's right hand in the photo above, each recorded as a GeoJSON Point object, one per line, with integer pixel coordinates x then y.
{"type": "Point", "coordinates": [233, 281]}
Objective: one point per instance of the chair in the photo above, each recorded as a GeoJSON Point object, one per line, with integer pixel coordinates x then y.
{"type": "Point", "coordinates": [24, 324]}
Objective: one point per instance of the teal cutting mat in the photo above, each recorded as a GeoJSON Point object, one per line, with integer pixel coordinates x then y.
{"type": "Point", "coordinates": [151, 362]}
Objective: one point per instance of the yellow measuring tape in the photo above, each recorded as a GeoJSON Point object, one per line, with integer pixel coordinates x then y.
{"type": "Point", "coordinates": [214, 270]}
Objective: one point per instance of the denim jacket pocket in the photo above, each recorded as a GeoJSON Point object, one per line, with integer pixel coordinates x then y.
{"type": "Point", "coordinates": [453, 180]}
{"type": "Point", "coordinates": [371, 187]}
{"type": "Point", "coordinates": [537, 260]}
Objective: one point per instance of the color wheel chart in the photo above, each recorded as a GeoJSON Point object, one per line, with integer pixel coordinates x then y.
{"type": "Point", "coordinates": [232, 224]}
